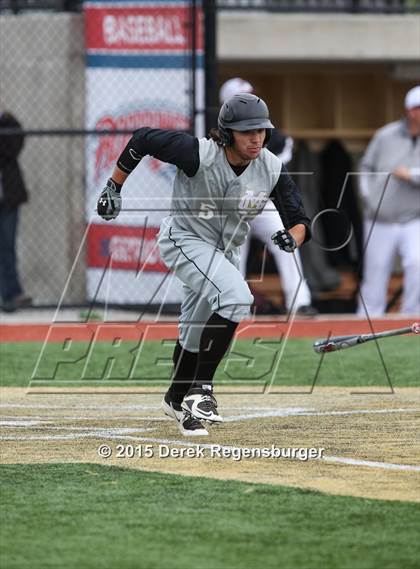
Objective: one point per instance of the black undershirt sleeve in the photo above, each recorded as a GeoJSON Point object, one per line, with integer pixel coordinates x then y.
{"type": "Point", "coordinates": [287, 200]}
{"type": "Point", "coordinates": [172, 146]}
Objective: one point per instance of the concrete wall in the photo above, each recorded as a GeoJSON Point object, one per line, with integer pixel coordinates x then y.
{"type": "Point", "coordinates": [42, 83]}
{"type": "Point", "coordinates": [247, 35]}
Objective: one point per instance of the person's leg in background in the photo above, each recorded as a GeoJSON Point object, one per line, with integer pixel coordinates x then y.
{"type": "Point", "coordinates": [381, 243]}
{"type": "Point", "coordinates": [10, 287]}
{"type": "Point", "coordinates": [409, 249]}
{"type": "Point", "coordinates": [296, 291]}
{"type": "Point", "coordinates": [244, 254]}
{"type": "Point", "coordinates": [262, 305]}
{"type": "Point", "coordinates": [295, 287]}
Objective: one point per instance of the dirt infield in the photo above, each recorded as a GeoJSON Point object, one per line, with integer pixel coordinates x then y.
{"type": "Point", "coordinates": [149, 330]}
{"type": "Point", "coordinates": [369, 441]}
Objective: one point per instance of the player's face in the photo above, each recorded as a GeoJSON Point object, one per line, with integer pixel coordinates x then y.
{"type": "Point", "coordinates": [413, 116]}
{"type": "Point", "coordinates": [248, 144]}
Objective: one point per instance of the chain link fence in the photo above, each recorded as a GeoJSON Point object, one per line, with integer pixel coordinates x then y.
{"type": "Point", "coordinates": [68, 77]}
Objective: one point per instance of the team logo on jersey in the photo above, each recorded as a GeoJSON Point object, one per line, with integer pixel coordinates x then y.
{"type": "Point", "coordinates": [251, 204]}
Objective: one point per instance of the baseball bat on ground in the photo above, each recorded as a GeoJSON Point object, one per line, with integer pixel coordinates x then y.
{"type": "Point", "coordinates": [342, 342]}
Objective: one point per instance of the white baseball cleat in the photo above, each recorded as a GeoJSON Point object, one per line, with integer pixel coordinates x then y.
{"type": "Point", "coordinates": [188, 425]}
{"type": "Point", "coordinates": [172, 409]}
{"type": "Point", "coordinates": [202, 405]}
{"type": "Point", "coordinates": [192, 427]}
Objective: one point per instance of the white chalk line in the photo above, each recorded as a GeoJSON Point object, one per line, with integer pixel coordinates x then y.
{"type": "Point", "coordinates": [289, 410]}
{"type": "Point", "coordinates": [120, 430]}
{"type": "Point", "coordinates": [89, 434]}
{"type": "Point", "coordinates": [309, 413]}
{"type": "Point", "coordinates": [371, 463]}
{"type": "Point", "coordinates": [350, 461]}
{"type": "Point", "coordinates": [344, 460]}
{"type": "Point", "coordinates": [51, 418]}
{"type": "Point", "coordinates": [261, 414]}
{"type": "Point", "coordinates": [77, 406]}
{"type": "Point", "coordinates": [128, 434]}
{"type": "Point", "coordinates": [133, 407]}
{"type": "Point", "coordinates": [285, 412]}
{"type": "Point", "coordinates": [364, 411]}
{"type": "Point", "coordinates": [20, 423]}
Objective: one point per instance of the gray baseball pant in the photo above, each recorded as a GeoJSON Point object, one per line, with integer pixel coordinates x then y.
{"type": "Point", "coordinates": [212, 282]}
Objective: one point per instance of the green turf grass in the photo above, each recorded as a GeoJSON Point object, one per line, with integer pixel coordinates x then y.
{"type": "Point", "coordinates": [250, 362]}
{"type": "Point", "coordinates": [96, 517]}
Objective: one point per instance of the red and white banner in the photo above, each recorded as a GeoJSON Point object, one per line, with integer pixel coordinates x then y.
{"type": "Point", "coordinates": [152, 27]}
{"type": "Point", "coordinates": [138, 74]}
{"type": "Point", "coordinates": [125, 247]}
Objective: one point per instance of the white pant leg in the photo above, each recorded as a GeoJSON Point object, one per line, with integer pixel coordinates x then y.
{"type": "Point", "coordinates": [244, 252]}
{"type": "Point", "coordinates": [378, 263]}
{"type": "Point", "coordinates": [409, 250]}
{"type": "Point", "coordinates": [289, 265]}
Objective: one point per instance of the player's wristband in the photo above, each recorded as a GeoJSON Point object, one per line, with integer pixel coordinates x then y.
{"type": "Point", "coordinates": [117, 187]}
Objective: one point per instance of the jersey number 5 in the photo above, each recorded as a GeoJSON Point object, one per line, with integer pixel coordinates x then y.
{"type": "Point", "coordinates": [206, 210]}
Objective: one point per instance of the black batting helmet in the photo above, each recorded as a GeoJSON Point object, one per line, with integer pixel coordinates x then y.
{"type": "Point", "coordinates": [242, 112]}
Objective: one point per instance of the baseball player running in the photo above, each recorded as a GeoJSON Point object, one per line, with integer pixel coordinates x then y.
{"type": "Point", "coordinates": [222, 182]}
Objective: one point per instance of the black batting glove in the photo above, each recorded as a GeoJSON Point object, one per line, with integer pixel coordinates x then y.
{"type": "Point", "coordinates": [109, 202]}
{"type": "Point", "coordinates": [284, 241]}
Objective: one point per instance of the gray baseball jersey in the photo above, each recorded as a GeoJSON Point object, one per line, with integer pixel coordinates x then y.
{"type": "Point", "coordinates": [386, 198]}
{"type": "Point", "coordinates": [212, 203]}
{"type": "Point", "coordinates": [216, 203]}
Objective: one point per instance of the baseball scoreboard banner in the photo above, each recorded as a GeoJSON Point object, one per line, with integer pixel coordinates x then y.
{"type": "Point", "coordinates": [138, 73]}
